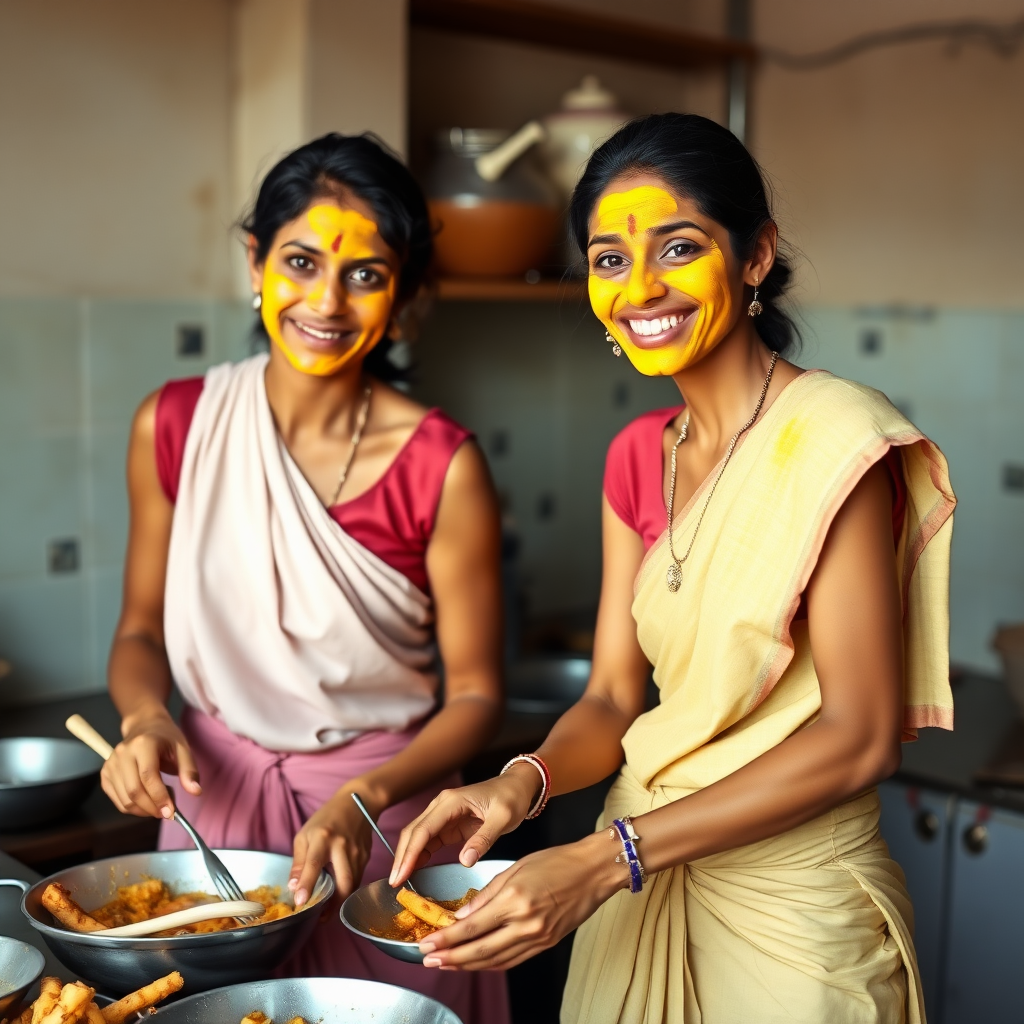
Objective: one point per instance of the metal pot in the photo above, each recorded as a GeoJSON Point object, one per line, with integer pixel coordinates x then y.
{"type": "Point", "coordinates": [42, 780]}
{"type": "Point", "coordinates": [119, 965]}
{"type": "Point", "coordinates": [499, 228]}
{"type": "Point", "coordinates": [325, 1000]}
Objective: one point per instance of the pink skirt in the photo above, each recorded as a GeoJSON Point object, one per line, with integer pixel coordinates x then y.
{"type": "Point", "coordinates": [257, 799]}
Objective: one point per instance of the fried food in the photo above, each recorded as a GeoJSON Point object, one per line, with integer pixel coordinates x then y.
{"type": "Point", "coordinates": [259, 1017]}
{"type": "Point", "coordinates": [58, 902]}
{"type": "Point", "coordinates": [425, 909]}
{"type": "Point", "coordinates": [148, 995]}
{"type": "Point", "coordinates": [151, 898]}
{"type": "Point", "coordinates": [74, 1003]}
{"type": "Point", "coordinates": [408, 926]}
{"type": "Point", "coordinates": [71, 1004]}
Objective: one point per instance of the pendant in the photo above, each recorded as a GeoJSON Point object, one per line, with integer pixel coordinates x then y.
{"type": "Point", "coordinates": [674, 577]}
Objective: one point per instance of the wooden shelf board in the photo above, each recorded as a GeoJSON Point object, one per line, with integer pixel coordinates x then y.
{"type": "Point", "coordinates": [525, 21]}
{"type": "Point", "coordinates": [483, 289]}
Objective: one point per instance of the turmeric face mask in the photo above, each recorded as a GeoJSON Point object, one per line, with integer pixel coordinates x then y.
{"type": "Point", "coordinates": [657, 282]}
{"type": "Point", "coordinates": [328, 289]}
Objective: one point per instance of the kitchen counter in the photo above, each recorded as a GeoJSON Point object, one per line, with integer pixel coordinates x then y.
{"type": "Point", "coordinates": [12, 921]}
{"type": "Point", "coordinates": [984, 715]}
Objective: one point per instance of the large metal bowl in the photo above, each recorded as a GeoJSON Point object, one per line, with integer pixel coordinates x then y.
{"type": "Point", "coordinates": [371, 908]}
{"type": "Point", "coordinates": [121, 965]}
{"type": "Point", "coordinates": [545, 685]}
{"type": "Point", "coordinates": [20, 966]}
{"type": "Point", "coordinates": [42, 780]}
{"type": "Point", "coordinates": [320, 1000]}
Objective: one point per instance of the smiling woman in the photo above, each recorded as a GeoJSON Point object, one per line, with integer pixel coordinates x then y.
{"type": "Point", "coordinates": [304, 542]}
{"type": "Point", "coordinates": [777, 547]}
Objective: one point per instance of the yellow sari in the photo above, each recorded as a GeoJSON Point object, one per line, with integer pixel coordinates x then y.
{"type": "Point", "coordinates": [815, 924]}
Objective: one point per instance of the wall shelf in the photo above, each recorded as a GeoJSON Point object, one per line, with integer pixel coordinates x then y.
{"type": "Point", "coordinates": [566, 29]}
{"type": "Point", "coordinates": [482, 289]}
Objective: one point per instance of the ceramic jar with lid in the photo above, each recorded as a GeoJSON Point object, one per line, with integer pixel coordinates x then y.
{"type": "Point", "coordinates": [500, 228]}
{"type": "Point", "coordinates": [590, 114]}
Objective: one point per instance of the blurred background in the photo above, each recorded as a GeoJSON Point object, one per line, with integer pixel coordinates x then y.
{"type": "Point", "coordinates": [132, 137]}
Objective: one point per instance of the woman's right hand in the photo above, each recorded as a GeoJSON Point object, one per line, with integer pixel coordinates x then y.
{"type": "Point", "coordinates": [473, 815]}
{"type": "Point", "coordinates": [152, 744]}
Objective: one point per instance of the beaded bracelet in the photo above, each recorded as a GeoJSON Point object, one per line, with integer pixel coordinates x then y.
{"type": "Point", "coordinates": [622, 829]}
{"type": "Point", "coordinates": [545, 781]}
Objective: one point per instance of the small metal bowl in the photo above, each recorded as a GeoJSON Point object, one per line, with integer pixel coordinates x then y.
{"type": "Point", "coordinates": [20, 967]}
{"type": "Point", "coordinates": [323, 1000]}
{"type": "Point", "coordinates": [42, 779]}
{"type": "Point", "coordinates": [374, 906]}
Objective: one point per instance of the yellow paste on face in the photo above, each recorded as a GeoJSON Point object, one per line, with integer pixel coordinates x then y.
{"type": "Point", "coordinates": [345, 236]}
{"type": "Point", "coordinates": [632, 215]}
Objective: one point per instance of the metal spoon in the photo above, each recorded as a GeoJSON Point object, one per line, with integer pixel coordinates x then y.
{"type": "Point", "coordinates": [380, 835]}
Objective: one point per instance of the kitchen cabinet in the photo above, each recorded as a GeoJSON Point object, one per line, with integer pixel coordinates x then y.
{"type": "Point", "coordinates": [985, 952]}
{"type": "Point", "coordinates": [915, 824]}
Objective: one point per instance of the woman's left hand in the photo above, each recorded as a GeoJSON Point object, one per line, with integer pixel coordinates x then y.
{"type": "Point", "coordinates": [529, 907]}
{"type": "Point", "coordinates": [338, 835]}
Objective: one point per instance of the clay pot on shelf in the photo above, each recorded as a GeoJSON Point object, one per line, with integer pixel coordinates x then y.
{"type": "Point", "coordinates": [495, 228]}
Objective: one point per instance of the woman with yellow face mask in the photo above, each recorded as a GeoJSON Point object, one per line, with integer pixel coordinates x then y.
{"type": "Point", "coordinates": [777, 548]}
{"type": "Point", "coordinates": [305, 543]}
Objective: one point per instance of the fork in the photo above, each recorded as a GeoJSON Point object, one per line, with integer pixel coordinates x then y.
{"type": "Point", "coordinates": [227, 888]}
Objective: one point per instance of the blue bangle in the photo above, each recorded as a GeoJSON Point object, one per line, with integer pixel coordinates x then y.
{"type": "Point", "coordinates": [622, 829]}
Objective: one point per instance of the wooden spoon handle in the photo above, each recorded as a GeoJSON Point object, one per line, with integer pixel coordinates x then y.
{"type": "Point", "coordinates": [79, 727]}
{"type": "Point", "coordinates": [180, 918]}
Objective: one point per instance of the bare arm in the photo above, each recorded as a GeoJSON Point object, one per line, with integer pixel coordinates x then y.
{"type": "Point", "coordinates": [464, 567]}
{"type": "Point", "coordinates": [139, 676]}
{"type": "Point", "coordinates": [585, 745]}
{"type": "Point", "coordinates": [854, 618]}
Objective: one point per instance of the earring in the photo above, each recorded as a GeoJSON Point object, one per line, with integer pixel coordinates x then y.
{"type": "Point", "coordinates": [755, 307]}
{"type": "Point", "coordinates": [257, 301]}
{"type": "Point", "coordinates": [616, 347]}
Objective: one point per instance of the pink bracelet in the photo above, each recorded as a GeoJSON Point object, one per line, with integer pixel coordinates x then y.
{"type": "Point", "coordinates": [545, 781]}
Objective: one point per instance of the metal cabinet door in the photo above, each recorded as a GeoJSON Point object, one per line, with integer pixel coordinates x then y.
{"type": "Point", "coordinates": [915, 825]}
{"type": "Point", "coordinates": [985, 957]}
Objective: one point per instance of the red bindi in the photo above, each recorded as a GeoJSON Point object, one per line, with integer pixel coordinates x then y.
{"type": "Point", "coordinates": [631, 224]}
{"type": "Point", "coordinates": [336, 244]}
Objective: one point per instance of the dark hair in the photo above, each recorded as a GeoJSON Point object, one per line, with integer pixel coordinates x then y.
{"type": "Point", "coordinates": [363, 165]}
{"type": "Point", "coordinates": [706, 162]}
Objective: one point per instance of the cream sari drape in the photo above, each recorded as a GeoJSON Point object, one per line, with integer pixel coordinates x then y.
{"type": "Point", "coordinates": [813, 925]}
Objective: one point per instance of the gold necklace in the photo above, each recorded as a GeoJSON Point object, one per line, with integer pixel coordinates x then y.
{"type": "Point", "coordinates": [674, 576]}
{"type": "Point", "coordinates": [357, 436]}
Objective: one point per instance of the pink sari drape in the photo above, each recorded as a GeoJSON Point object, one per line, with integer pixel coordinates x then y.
{"type": "Point", "coordinates": [258, 799]}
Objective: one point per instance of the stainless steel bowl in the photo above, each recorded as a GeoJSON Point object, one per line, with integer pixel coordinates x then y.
{"type": "Point", "coordinates": [323, 1000]}
{"type": "Point", "coordinates": [20, 966]}
{"type": "Point", "coordinates": [372, 907]}
{"type": "Point", "coordinates": [43, 779]}
{"type": "Point", "coordinates": [119, 965]}
{"type": "Point", "coordinates": [545, 686]}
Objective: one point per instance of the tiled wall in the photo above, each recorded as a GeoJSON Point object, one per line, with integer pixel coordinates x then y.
{"type": "Point", "coordinates": [72, 373]}
{"type": "Point", "coordinates": [543, 392]}
{"type": "Point", "coordinates": [543, 377]}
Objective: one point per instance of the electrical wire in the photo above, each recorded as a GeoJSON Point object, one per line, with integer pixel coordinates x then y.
{"type": "Point", "coordinates": [1002, 39]}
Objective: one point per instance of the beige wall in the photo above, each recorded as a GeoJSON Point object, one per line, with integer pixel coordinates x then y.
{"type": "Point", "coordinates": [133, 134]}
{"type": "Point", "coordinates": [114, 147]}
{"type": "Point", "coordinates": [899, 173]}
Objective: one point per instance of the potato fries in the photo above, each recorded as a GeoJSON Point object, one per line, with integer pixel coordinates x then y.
{"type": "Point", "coordinates": [151, 898]}
{"type": "Point", "coordinates": [58, 902]}
{"type": "Point", "coordinates": [421, 916]}
{"type": "Point", "coordinates": [259, 1017]}
{"type": "Point", "coordinates": [73, 1003]}
{"type": "Point", "coordinates": [154, 992]}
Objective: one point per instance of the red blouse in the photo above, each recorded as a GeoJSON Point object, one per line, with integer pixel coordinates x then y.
{"type": "Point", "coordinates": [635, 470]}
{"type": "Point", "coordinates": [394, 518]}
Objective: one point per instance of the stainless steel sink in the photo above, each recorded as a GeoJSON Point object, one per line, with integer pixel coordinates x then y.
{"type": "Point", "coordinates": [547, 685]}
